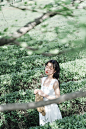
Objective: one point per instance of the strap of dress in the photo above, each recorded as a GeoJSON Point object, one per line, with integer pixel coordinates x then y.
{"type": "Point", "coordinates": [51, 84]}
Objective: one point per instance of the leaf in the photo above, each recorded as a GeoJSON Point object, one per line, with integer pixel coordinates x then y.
{"type": "Point", "coordinates": [25, 2]}
{"type": "Point", "coordinates": [48, 6]}
{"type": "Point", "coordinates": [5, 30]}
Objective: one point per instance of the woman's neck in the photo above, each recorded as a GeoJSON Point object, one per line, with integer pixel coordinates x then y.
{"type": "Point", "coordinates": [49, 77]}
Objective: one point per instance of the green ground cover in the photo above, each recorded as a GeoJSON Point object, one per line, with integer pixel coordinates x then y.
{"type": "Point", "coordinates": [21, 69]}
{"type": "Point", "coordinates": [74, 122]}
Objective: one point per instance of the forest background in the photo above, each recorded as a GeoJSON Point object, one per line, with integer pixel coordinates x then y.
{"type": "Point", "coordinates": [33, 32]}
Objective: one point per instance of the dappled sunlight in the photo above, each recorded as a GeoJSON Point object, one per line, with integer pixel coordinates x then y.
{"type": "Point", "coordinates": [29, 52]}
{"type": "Point", "coordinates": [23, 44]}
{"type": "Point", "coordinates": [4, 47]}
{"type": "Point", "coordinates": [76, 69]}
{"type": "Point", "coordinates": [54, 51]}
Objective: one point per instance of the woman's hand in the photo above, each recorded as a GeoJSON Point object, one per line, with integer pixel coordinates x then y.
{"type": "Point", "coordinates": [36, 91]}
{"type": "Point", "coordinates": [40, 92]}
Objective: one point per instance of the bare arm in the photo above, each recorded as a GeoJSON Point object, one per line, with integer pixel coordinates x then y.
{"type": "Point", "coordinates": [56, 89]}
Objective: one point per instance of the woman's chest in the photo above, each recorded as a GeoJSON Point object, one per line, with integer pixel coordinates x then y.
{"type": "Point", "coordinates": [48, 90]}
{"type": "Point", "coordinates": [46, 83]}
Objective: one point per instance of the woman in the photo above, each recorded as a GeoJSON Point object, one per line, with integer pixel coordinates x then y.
{"type": "Point", "coordinates": [50, 90]}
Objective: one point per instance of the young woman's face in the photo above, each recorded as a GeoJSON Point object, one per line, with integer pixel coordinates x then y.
{"type": "Point", "coordinates": [49, 70]}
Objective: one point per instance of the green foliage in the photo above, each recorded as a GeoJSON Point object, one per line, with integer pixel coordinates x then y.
{"type": "Point", "coordinates": [73, 122]}
{"type": "Point", "coordinates": [20, 119]}
{"type": "Point", "coordinates": [25, 3]}
{"type": "Point", "coordinates": [48, 7]}
{"type": "Point", "coordinates": [0, 8]}
{"type": "Point", "coordinates": [18, 96]}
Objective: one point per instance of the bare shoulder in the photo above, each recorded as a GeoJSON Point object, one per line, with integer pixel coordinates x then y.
{"type": "Point", "coordinates": [56, 84]}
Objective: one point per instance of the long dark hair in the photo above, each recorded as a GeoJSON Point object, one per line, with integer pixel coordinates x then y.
{"type": "Point", "coordinates": [56, 68]}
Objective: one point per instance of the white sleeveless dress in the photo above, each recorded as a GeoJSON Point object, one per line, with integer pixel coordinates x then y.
{"type": "Point", "coordinates": [52, 111]}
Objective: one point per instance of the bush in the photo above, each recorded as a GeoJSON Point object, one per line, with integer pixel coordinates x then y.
{"type": "Point", "coordinates": [72, 122]}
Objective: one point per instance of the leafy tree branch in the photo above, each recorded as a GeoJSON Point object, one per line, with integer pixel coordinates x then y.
{"type": "Point", "coordinates": [29, 26]}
